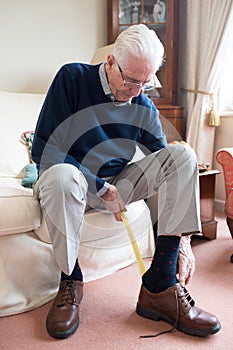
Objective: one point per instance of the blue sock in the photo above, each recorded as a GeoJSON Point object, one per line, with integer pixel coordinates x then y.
{"type": "Point", "coordinates": [76, 274]}
{"type": "Point", "coordinates": [162, 272]}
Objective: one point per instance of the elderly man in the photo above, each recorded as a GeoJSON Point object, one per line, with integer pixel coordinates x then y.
{"type": "Point", "coordinates": [91, 121]}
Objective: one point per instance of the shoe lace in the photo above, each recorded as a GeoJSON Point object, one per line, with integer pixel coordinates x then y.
{"type": "Point", "coordinates": [67, 293]}
{"type": "Point", "coordinates": [185, 298]}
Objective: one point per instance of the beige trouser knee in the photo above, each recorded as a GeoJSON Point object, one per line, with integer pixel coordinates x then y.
{"type": "Point", "coordinates": [173, 174]}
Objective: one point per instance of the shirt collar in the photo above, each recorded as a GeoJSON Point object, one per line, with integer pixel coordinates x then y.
{"type": "Point", "coordinates": [106, 88]}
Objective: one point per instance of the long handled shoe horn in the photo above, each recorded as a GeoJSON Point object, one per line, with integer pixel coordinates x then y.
{"type": "Point", "coordinates": [137, 253]}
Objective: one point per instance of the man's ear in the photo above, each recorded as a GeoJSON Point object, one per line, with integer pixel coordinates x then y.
{"type": "Point", "coordinates": [110, 60]}
{"type": "Point", "coordinates": [110, 63]}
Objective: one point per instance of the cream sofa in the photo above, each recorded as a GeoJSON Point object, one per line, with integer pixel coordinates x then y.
{"type": "Point", "coordinates": [29, 275]}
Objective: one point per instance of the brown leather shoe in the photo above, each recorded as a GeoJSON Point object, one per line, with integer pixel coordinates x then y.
{"type": "Point", "coordinates": [175, 306]}
{"type": "Point", "coordinates": [63, 317]}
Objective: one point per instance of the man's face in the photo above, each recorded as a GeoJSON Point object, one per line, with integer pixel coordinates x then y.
{"type": "Point", "coordinates": [127, 82]}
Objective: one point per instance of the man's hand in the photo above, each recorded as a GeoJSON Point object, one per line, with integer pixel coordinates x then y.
{"type": "Point", "coordinates": [113, 202]}
{"type": "Point", "coordinates": [186, 261]}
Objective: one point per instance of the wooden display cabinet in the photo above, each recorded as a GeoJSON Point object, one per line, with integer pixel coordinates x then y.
{"type": "Point", "coordinates": [164, 20]}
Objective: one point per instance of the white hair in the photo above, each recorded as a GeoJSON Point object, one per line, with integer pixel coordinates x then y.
{"type": "Point", "coordinates": [139, 41]}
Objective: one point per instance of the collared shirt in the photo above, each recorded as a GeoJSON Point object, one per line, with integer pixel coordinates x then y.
{"type": "Point", "coordinates": [106, 87]}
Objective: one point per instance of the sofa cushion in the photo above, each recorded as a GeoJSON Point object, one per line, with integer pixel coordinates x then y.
{"type": "Point", "coordinates": [18, 112]}
{"type": "Point", "coordinates": [19, 210]}
{"type": "Point", "coordinates": [105, 245]}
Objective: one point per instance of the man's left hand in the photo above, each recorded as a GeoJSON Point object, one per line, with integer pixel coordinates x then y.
{"type": "Point", "coordinates": [186, 261]}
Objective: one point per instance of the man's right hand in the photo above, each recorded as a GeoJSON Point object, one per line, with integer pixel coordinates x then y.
{"type": "Point", "coordinates": [113, 202]}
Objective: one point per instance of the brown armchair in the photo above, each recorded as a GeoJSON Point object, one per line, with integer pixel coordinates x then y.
{"type": "Point", "coordinates": [224, 157]}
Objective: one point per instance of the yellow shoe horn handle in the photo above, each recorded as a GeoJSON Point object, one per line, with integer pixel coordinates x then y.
{"type": "Point", "coordinates": [140, 262]}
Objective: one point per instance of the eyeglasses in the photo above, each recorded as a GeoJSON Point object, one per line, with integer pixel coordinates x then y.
{"type": "Point", "coordinates": [147, 86]}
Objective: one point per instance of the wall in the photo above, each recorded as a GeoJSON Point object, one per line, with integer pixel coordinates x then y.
{"type": "Point", "coordinates": [37, 37]}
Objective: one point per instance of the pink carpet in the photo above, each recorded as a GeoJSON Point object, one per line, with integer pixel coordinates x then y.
{"type": "Point", "coordinates": [108, 318]}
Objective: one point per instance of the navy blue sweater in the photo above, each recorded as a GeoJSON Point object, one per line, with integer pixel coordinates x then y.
{"type": "Point", "coordinates": [79, 125]}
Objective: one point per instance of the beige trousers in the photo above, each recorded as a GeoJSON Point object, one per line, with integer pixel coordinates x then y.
{"type": "Point", "coordinates": [172, 173]}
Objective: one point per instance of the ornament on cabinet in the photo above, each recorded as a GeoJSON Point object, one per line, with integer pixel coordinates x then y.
{"type": "Point", "coordinates": [159, 11]}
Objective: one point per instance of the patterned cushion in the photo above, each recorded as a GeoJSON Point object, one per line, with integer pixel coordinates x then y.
{"type": "Point", "coordinates": [31, 173]}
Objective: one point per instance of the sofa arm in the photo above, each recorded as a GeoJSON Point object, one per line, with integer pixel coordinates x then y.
{"type": "Point", "coordinates": [229, 207]}
{"type": "Point", "coordinates": [224, 157]}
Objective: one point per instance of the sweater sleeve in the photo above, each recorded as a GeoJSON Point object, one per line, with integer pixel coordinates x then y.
{"type": "Point", "coordinates": [53, 127]}
{"type": "Point", "coordinates": [153, 138]}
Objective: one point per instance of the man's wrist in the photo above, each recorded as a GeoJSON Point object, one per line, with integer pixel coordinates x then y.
{"type": "Point", "coordinates": [103, 189]}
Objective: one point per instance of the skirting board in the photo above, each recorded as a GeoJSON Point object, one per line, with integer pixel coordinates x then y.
{"type": "Point", "coordinates": [219, 205]}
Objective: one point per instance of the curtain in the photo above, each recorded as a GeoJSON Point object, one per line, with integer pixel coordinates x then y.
{"type": "Point", "coordinates": [205, 50]}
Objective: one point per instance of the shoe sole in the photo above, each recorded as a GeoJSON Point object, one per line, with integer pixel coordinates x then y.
{"type": "Point", "coordinates": [157, 316]}
{"type": "Point", "coordinates": [64, 334]}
